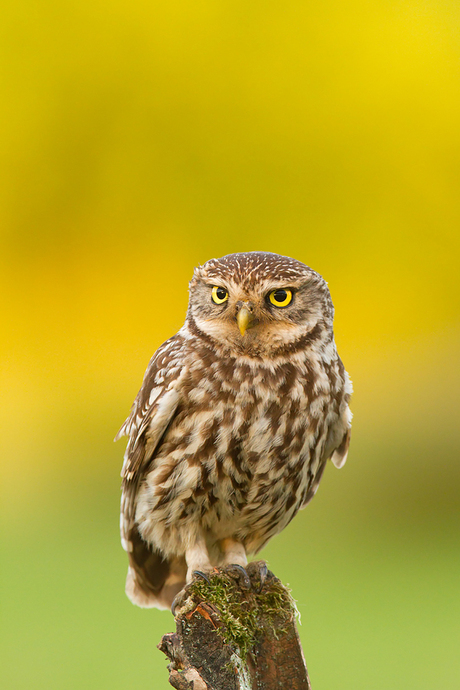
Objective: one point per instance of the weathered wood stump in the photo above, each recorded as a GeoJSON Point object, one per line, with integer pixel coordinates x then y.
{"type": "Point", "coordinates": [230, 637]}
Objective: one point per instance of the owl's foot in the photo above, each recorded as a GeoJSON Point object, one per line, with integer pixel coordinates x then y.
{"type": "Point", "coordinates": [251, 578]}
{"type": "Point", "coordinates": [238, 573]}
{"type": "Point", "coordinates": [258, 573]}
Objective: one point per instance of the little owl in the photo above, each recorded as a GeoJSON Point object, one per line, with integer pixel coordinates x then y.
{"type": "Point", "coordinates": [236, 418]}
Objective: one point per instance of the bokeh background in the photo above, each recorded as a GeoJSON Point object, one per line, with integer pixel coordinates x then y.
{"type": "Point", "coordinates": [141, 139]}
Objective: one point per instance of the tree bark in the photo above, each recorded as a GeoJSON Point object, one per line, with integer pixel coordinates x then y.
{"type": "Point", "coordinates": [234, 636]}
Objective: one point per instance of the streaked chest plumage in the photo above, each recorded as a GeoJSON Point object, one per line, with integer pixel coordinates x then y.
{"type": "Point", "coordinates": [246, 441]}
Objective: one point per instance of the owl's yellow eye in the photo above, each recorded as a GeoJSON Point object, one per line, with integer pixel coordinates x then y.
{"type": "Point", "coordinates": [219, 295]}
{"type": "Point", "coordinates": [281, 297]}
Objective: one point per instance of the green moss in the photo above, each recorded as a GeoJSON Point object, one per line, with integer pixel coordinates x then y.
{"type": "Point", "coordinates": [244, 613]}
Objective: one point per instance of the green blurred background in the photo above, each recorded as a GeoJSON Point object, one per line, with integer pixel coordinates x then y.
{"type": "Point", "coordinates": [141, 139]}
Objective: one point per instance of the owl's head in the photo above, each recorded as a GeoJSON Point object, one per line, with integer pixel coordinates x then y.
{"type": "Point", "coordinates": [259, 303]}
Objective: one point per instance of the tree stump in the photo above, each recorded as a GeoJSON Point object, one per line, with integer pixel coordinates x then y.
{"type": "Point", "coordinates": [234, 637]}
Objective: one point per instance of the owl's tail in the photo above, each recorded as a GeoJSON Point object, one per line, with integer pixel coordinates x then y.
{"type": "Point", "coordinates": [153, 580]}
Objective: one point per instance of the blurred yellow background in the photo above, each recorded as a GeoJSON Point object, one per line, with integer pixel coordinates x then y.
{"type": "Point", "coordinates": [141, 139]}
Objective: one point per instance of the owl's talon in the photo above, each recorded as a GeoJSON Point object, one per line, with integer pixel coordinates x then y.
{"type": "Point", "coordinates": [177, 602]}
{"type": "Point", "coordinates": [258, 572]}
{"type": "Point", "coordinates": [237, 572]}
{"type": "Point", "coordinates": [198, 574]}
{"type": "Point", "coordinates": [184, 593]}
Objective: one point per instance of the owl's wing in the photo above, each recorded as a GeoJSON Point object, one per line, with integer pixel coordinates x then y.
{"type": "Point", "coordinates": [339, 456]}
{"type": "Point", "coordinates": [336, 450]}
{"type": "Point", "coordinates": [153, 579]}
{"type": "Point", "coordinates": [151, 413]}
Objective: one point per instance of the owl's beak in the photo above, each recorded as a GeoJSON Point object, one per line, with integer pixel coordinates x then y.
{"type": "Point", "coordinates": [245, 318]}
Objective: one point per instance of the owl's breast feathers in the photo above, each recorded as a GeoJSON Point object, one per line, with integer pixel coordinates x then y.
{"type": "Point", "coordinates": [238, 445]}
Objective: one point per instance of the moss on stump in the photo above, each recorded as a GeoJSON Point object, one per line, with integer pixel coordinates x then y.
{"type": "Point", "coordinates": [234, 638]}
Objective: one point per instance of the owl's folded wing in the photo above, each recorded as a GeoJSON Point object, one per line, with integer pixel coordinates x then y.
{"type": "Point", "coordinates": [336, 450]}
{"type": "Point", "coordinates": [339, 456]}
{"type": "Point", "coordinates": [151, 413]}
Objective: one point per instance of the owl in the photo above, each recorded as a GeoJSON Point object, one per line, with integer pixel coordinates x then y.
{"type": "Point", "coordinates": [235, 421]}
